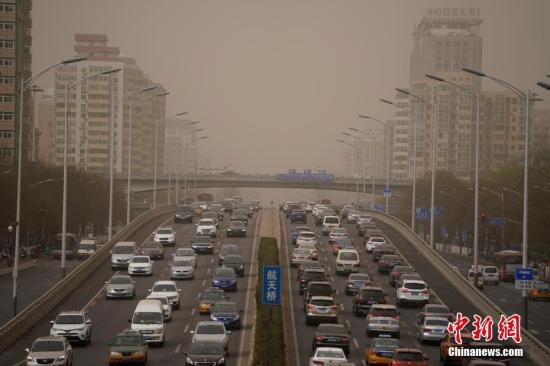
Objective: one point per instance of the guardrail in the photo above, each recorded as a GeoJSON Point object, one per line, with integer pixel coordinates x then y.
{"type": "Point", "coordinates": [26, 265]}
{"type": "Point", "coordinates": [535, 349]}
{"type": "Point", "coordinates": [34, 312]}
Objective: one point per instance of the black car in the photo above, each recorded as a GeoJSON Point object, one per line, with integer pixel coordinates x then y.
{"type": "Point", "coordinates": [363, 228]}
{"type": "Point", "coordinates": [205, 353]}
{"type": "Point", "coordinates": [184, 213]}
{"type": "Point", "coordinates": [202, 245]}
{"type": "Point", "coordinates": [311, 275]}
{"type": "Point", "coordinates": [387, 262]}
{"type": "Point", "coordinates": [298, 216]}
{"type": "Point", "coordinates": [239, 215]}
{"type": "Point", "coordinates": [331, 335]}
{"type": "Point", "coordinates": [236, 262]}
{"type": "Point", "coordinates": [236, 228]}
{"type": "Point", "coordinates": [366, 297]}
{"type": "Point", "coordinates": [308, 264]}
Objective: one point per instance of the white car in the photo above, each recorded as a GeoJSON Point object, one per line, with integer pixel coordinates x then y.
{"type": "Point", "coordinates": [165, 306]}
{"type": "Point", "coordinates": [336, 234]}
{"type": "Point", "coordinates": [373, 241]}
{"type": "Point", "coordinates": [212, 331]}
{"type": "Point", "coordinates": [73, 325]}
{"type": "Point", "coordinates": [185, 254]}
{"type": "Point", "coordinates": [327, 356]}
{"type": "Point", "coordinates": [479, 275]}
{"type": "Point", "coordinates": [140, 265]}
{"type": "Point", "coordinates": [490, 274]}
{"type": "Point", "coordinates": [347, 261]}
{"type": "Point", "coordinates": [206, 227]}
{"type": "Point", "coordinates": [168, 289]}
{"type": "Point", "coordinates": [414, 292]}
{"type": "Point", "coordinates": [306, 237]}
{"type": "Point", "coordinates": [318, 208]}
{"type": "Point", "coordinates": [314, 255]}
{"type": "Point", "coordinates": [183, 269]}
{"type": "Point", "coordinates": [165, 236]}
{"type": "Point", "coordinates": [329, 223]}
{"type": "Point", "coordinates": [364, 219]}
{"type": "Point", "coordinates": [352, 216]}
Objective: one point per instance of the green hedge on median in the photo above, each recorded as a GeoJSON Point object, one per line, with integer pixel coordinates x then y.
{"type": "Point", "coordinates": [269, 347]}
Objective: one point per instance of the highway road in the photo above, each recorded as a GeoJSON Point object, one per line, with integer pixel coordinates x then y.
{"type": "Point", "coordinates": [111, 316]}
{"type": "Point", "coordinates": [49, 272]}
{"type": "Point", "coordinates": [304, 334]}
{"type": "Point", "coordinates": [509, 300]}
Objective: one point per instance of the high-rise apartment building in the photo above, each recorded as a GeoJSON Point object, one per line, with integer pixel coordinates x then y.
{"type": "Point", "coordinates": [181, 147]}
{"type": "Point", "coordinates": [90, 105]}
{"type": "Point", "coordinates": [15, 63]}
{"type": "Point", "coordinates": [45, 126]}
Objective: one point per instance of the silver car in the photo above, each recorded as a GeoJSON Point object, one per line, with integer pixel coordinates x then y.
{"type": "Point", "coordinates": [212, 331]}
{"type": "Point", "coordinates": [377, 325]}
{"type": "Point", "coordinates": [120, 286]}
{"type": "Point", "coordinates": [182, 269]}
{"type": "Point", "coordinates": [73, 325]}
{"type": "Point", "coordinates": [433, 329]}
{"type": "Point", "coordinates": [54, 351]}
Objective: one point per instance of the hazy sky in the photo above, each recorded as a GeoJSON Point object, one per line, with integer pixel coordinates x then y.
{"type": "Point", "coordinates": [274, 82]}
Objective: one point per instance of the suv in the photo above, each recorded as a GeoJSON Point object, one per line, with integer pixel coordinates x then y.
{"type": "Point", "coordinates": [50, 351]}
{"type": "Point", "coordinates": [490, 274]}
{"type": "Point", "coordinates": [73, 325]}
{"type": "Point", "coordinates": [128, 347]}
{"type": "Point", "coordinates": [321, 309]}
{"type": "Point", "coordinates": [331, 335]}
{"type": "Point", "coordinates": [165, 236]}
{"type": "Point", "coordinates": [206, 227]}
{"type": "Point", "coordinates": [329, 223]}
{"type": "Point", "coordinates": [168, 289]}
{"type": "Point", "coordinates": [414, 292]}
{"type": "Point", "coordinates": [317, 288]}
{"type": "Point", "coordinates": [366, 297]}
{"type": "Point", "coordinates": [387, 262]}
{"type": "Point", "coordinates": [347, 261]}
{"type": "Point", "coordinates": [397, 271]}
{"type": "Point", "coordinates": [184, 213]}
{"type": "Point", "coordinates": [311, 275]}
{"type": "Point", "coordinates": [122, 253]}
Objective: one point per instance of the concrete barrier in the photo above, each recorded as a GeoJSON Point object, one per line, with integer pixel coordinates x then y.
{"type": "Point", "coordinates": [23, 266]}
{"type": "Point", "coordinates": [536, 350]}
{"type": "Point", "coordinates": [34, 312]}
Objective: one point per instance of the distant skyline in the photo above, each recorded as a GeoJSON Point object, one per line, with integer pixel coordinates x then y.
{"type": "Point", "coordinates": [274, 83]}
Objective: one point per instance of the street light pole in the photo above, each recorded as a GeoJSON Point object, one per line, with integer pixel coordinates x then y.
{"type": "Point", "coordinates": [129, 179]}
{"type": "Point", "coordinates": [501, 196]}
{"type": "Point", "coordinates": [65, 167]}
{"type": "Point", "coordinates": [25, 84]}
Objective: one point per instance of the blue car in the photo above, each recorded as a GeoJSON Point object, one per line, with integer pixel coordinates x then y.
{"type": "Point", "coordinates": [298, 216]}
{"type": "Point", "coordinates": [225, 278]}
{"type": "Point", "coordinates": [296, 231]}
{"type": "Point", "coordinates": [227, 313]}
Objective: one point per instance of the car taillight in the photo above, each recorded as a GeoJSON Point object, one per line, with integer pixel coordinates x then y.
{"type": "Point", "coordinates": [319, 338]}
{"type": "Point", "coordinates": [427, 330]}
{"type": "Point", "coordinates": [383, 301]}
{"type": "Point", "coordinates": [345, 339]}
{"type": "Point", "coordinates": [405, 290]}
{"type": "Point", "coordinates": [425, 292]}
{"type": "Point", "coordinates": [360, 301]}
{"type": "Point", "coordinates": [319, 363]}
{"type": "Point", "coordinates": [333, 307]}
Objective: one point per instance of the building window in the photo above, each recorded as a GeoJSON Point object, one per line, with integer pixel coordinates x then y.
{"type": "Point", "coordinates": [6, 98]}
{"type": "Point", "coordinates": [7, 62]}
{"type": "Point", "coordinates": [7, 8]}
{"type": "Point", "coordinates": [7, 80]}
{"type": "Point", "coordinates": [6, 134]}
{"type": "Point", "coordinates": [7, 25]}
{"type": "Point", "coordinates": [6, 43]}
{"type": "Point", "coordinates": [5, 153]}
{"type": "Point", "coordinates": [6, 116]}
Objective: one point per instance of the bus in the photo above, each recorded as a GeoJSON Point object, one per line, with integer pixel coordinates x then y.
{"type": "Point", "coordinates": [507, 262]}
{"type": "Point", "coordinates": [71, 241]}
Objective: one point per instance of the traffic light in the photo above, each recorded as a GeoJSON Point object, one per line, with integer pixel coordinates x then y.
{"type": "Point", "coordinates": [483, 216]}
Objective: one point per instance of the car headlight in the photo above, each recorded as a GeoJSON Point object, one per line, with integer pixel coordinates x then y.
{"type": "Point", "coordinates": [139, 354]}
{"type": "Point", "coordinates": [189, 361]}
{"type": "Point", "coordinates": [237, 317]}
{"type": "Point", "coordinates": [30, 359]}
{"type": "Point", "coordinates": [115, 354]}
{"type": "Point", "coordinates": [61, 358]}
{"type": "Point", "coordinates": [157, 331]}
{"type": "Point", "coordinates": [220, 361]}
{"type": "Point", "coordinates": [216, 282]}
{"type": "Point", "coordinates": [213, 318]}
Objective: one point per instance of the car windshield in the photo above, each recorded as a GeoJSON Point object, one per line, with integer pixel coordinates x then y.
{"type": "Point", "coordinates": [140, 260]}
{"type": "Point", "coordinates": [164, 288]}
{"type": "Point", "coordinates": [436, 322]}
{"type": "Point", "coordinates": [183, 264]}
{"type": "Point", "coordinates": [69, 319]}
{"type": "Point", "coordinates": [123, 249]}
{"type": "Point", "coordinates": [390, 258]}
{"type": "Point", "coordinates": [202, 239]}
{"type": "Point", "coordinates": [390, 313]}
{"type": "Point", "coordinates": [150, 245]}
{"type": "Point", "coordinates": [330, 354]}
{"type": "Point", "coordinates": [230, 249]}
{"type": "Point", "coordinates": [315, 276]}
{"type": "Point", "coordinates": [403, 269]}
{"type": "Point", "coordinates": [233, 260]}
{"type": "Point", "coordinates": [348, 256]}
{"type": "Point", "coordinates": [310, 264]}
{"type": "Point", "coordinates": [307, 235]}
{"type": "Point", "coordinates": [339, 231]}
{"type": "Point", "coordinates": [385, 343]}
{"type": "Point", "coordinates": [359, 277]}
{"type": "Point", "coordinates": [377, 240]}
{"type": "Point", "coordinates": [147, 318]}
{"type": "Point", "coordinates": [213, 295]}
{"type": "Point", "coordinates": [164, 231]}
{"type": "Point", "coordinates": [120, 280]}
{"type": "Point", "coordinates": [206, 222]}
{"type": "Point", "coordinates": [408, 356]}
{"type": "Point", "coordinates": [210, 329]}
{"type": "Point", "coordinates": [183, 209]}
{"type": "Point", "coordinates": [322, 290]}
{"type": "Point", "coordinates": [322, 302]}
{"type": "Point", "coordinates": [414, 285]}
{"type": "Point", "coordinates": [332, 220]}
{"type": "Point", "coordinates": [47, 346]}
{"type": "Point", "coordinates": [490, 270]}
{"type": "Point", "coordinates": [300, 251]}
{"type": "Point", "coordinates": [236, 224]}
{"type": "Point", "coordinates": [185, 252]}
{"type": "Point", "coordinates": [87, 246]}
{"type": "Point", "coordinates": [127, 341]}
{"type": "Point", "coordinates": [225, 272]}
{"type": "Point", "coordinates": [206, 348]}
{"type": "Point", "coordinates": [227, 307]}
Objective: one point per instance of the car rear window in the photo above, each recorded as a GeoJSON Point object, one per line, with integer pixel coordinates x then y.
{"type": "Point", "coordinates": [332, 220]}
{"type": "Point", "coordinates": [408, 356]}
{"type": "Point", "coordinates": [414, 285]}
{"type": "Point", "coordinates": [391, 313]}
{"type": "Point", "coordinates": [307, 235]}
{"type": "Point", "coordinates": [348, 256]}
{"type": "Point", "coordinates": [490, 270]}
{"type": "Point", "coordinates": [315, 276]}
{"type": "Point", "coordinates": [322, 290]}
{"type": "Point", "coordinates": [436, 323]}
{"type": "Point", "coordinates": [323, 302]}
{"type": "Point", "coordinates": [376, 294]}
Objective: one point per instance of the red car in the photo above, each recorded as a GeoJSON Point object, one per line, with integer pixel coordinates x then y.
{"type": "Point", "coordinates": [409, 357]}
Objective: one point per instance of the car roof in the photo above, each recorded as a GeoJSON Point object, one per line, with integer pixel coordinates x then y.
{"type": "Point", "coordinates": [50, 338]}
{"type": "Point", "coordinates": [209, 322]}
{"type": "Point", "coordinates": [71, 312]}
{"type": "Point", "coordinates": [374, 318]}
{"type": "Point", "coordinates": [414, 281]}
{"type": "Point", "coordinates": [164, 282]}
{"type": "Point", "coordinates": [383, 306]}
{"type": "Point", "coordinates": [435, 318]}
{"type": "Point", "coordinates": [372, 288]}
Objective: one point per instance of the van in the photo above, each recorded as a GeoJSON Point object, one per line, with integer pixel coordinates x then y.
{"type": "Point", "coordinates": [490, 274]}
{"type": "Point", "coordinates": [122, 254]}
{"type": "Point", "coordinates": [329, 223]}
{"type": "Point", "coordinates": [479, 276]}
{"type": "Point", "coordinates": [148, 319]}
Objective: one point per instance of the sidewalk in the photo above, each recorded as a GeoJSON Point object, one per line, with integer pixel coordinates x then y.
{"type": "Point", "coordinates": [24, 263]}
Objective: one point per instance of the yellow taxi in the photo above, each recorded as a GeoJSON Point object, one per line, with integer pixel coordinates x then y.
{"type": "Point", "coordinates": [380, 351]}
{"type": "Point", "coordinates": [341, 244]}
{"type": "Point", "coordinates": [128, 347]}
{"type": "Point", "coordinates": [208, 298]}
{"type": "Point", "coordinates": [540, 291]}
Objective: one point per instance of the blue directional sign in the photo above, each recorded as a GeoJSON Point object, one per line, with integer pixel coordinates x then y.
{"type": "Point", "coordinates": [378, 207]}
{"type": "Point", "coordinates": [497, 221]}
{"type": "Point", "coordinates": [422, 213]}
{"type": "Point", "coordinates": [387, 191]}
{"type": "Point", "coordinates": [271, 285]}
{"type": "Point", "coordinates": [444, 232]}
{"type": "Point", "coordinates": [524, 274]}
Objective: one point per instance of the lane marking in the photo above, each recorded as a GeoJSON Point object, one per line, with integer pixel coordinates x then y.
{"type": "Point", "coordinates": [211, 260]}
{"type": "Point", "coordinates": [342, 307]}
{"type": "Point", "coordinates": [177, 348]}
{"type": "Point", "coordinates": [193, 311]}
{"type": "Point", "coordinates": [348, 323]}
{"type": "Point", "coordinates": [208, 270]}
{"type": "Point", "coordinates": [355, 343]}
{"type": "Point", "coordinates": [186, 328]}
{"type": "Point", "coordinates": [204, 282]}
{"type": "Point", "coordinates": [198, 295]}
{"type": "Point", "coordinates": [502, 300]}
